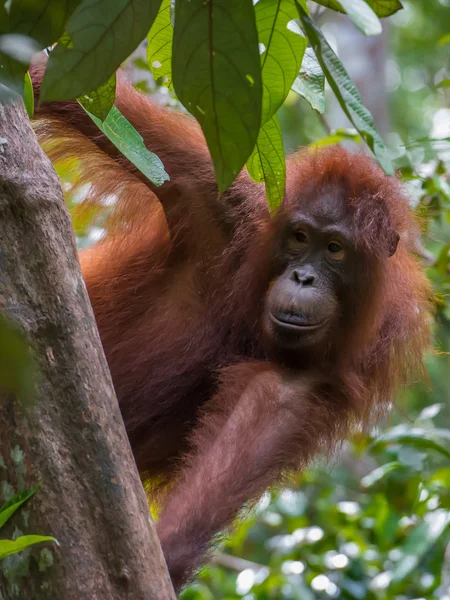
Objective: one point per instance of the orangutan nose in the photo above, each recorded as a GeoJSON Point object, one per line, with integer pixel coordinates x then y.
{"type": "Point", "coordinates": [303, 277]}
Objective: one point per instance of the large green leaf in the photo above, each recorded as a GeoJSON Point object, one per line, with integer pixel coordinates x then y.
{"type": "Point", "coordinates": [102, 35]}
{"type": "Point", "coordinates": [282, 46]}
{"type": "Point", "coordinates": [42, 20]}
{"type": "Point", "coordinates": [346, 92]}
{"type": "Point", "coordinates": [382, 8]}
{"type": "Point", "coordinates": [100, 102]}
{"type": "Point", "coordinates": [266, 163]}
{"type": "Point", "coordinates": [8, 547]}
{"type": "Point", "coordinates": [217, 76]}
{"type": "Point", "coordinates": [159, 46]}
{"type": "Point", "coordinates": [10, 507]}
{"type": "Point", "coordinates": [310, 83]}
{"type": "Point", "coordinates": [130, 143]}
{"type": "Point", "coordinates": [419, 543]}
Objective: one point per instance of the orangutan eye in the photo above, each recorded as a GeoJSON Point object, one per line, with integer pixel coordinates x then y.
{"type": "Point", "coordinates": [336, 250]}
{"type": "Point", "coordinates": [301, 237]}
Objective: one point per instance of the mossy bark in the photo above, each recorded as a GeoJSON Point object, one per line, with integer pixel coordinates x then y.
{"type": "Point", "coordinates": [70, 436]}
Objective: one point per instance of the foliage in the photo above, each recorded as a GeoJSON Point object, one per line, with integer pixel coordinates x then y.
{"type": "Point", "coordinates": [376, 524]}
{"type": "Point", "coordinates": [232, 64]}
{"type": "Point", "coordinates": [8, 547]}
{"type": "Point", "coordinates": [372, 527]}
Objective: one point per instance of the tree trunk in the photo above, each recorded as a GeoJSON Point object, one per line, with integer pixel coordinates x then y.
{"type": "Point", "coordinates": [71, 436]}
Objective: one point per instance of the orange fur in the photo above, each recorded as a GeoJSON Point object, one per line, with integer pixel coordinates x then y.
{"type": "Point", "coordinates": [178, 296]}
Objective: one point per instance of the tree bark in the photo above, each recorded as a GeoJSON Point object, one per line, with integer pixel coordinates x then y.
{"type": "Point", "coordinates": [71, 436]}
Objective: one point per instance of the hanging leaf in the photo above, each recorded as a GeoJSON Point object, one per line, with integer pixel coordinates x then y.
{"type": "Point", "coordinates": [346, 92]}
{"type": "Point", "coordinates": [217, 76]}
{"type": "Point", "coordinates": [130, 143]}
{"type": "Point", "coordinates": [159, 46]}
{"type": "Point", "coordinates": [42, 20]}
{"type": "Point", "coordinates": [362, 16]}
{"type": "Point", "coordinates": [267, 164]}
{"type": "Point", "coordinates": [310, 83]}
{"type": "Point", "coordinates": [382, 8]}
{"type": "Point", "coordinates": [100, 102]}
{"type": "Point", "coordinates": [282, 47]}
{"type": "Point", "coordinates": [102, 35]}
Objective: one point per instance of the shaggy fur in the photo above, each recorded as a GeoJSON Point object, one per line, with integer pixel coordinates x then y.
{"type": "Point", "coordinates": [178, 296]}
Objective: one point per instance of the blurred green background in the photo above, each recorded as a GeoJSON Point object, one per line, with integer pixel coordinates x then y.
{"type": "Point", "coordinates": [375, 523]}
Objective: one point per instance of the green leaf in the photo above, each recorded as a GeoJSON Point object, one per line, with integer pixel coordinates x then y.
{"type": "Point", "coordinates": [362, 16]}
{"type": "Point", "coordinates": [419, 543]}
{"type": "Point", "coordinates": [100, 102]}
{"type": "Point", "coordinates": [159, 47]}
{"type": "Point", "coordinates": [217, 76]}
{"type": "Point", "coordinates": [266, 163]}
{"type": "Point", "coordinates": [336, 137]}
{"type": "Point", "coordinates": [346, 92]}
{"type": "Point", "coordinates": [16, 365]}
{"type": "Point", "coordinates": [382, 8]}
{"type": "Point", "coordinates": [443, 83]}
{"type": "Point", "coordinates": [10, 507]}
{"type": "Point", "coordinates": [8, 547]}
{"type": "Point", "coordinates": [380, 473]}
{"type": "Point", "coordinates": [28, 95]}
{"type": "Point", "coordinates": [130, 143]}
{"type": "Point", "coordinates": [102, 34]}
{"type": "Point", "coordinates": [283, 48]}
{"type": "Point", "coordinates": [418, 438]}
{"type": "Point", "coordinates": [310, 83]}
{"type": "Point", "coordinates": [42, 20]}
{"type": "Point", "coordinates": [445, 39]}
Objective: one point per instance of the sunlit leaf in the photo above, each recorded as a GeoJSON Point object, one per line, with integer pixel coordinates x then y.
{"type": "Point", "coordinates": [445, 39]}
{"type": "Point", "coordinates": [380, 473]}
{"type": "Point", "coordinates": [362, 16]}
{"type": "Point", "coordinates": [102, 34]}
{"type": "Point", "coordinates": [42, 20]}
{"type": "Point", "coordinates": [283, 46]}
{"type": "Point", "coordinates": [16, 364]}
{"type": "Point", "coordinates": [336, 137]}
{"type": "Point", "coordinates": [346, 92]}
{"type": "Point", "coordinates": [100, 102]}
{"type": "Point", "coordinates": [8, 547]}
{"type": "Point", "coordinates": [382, 8]}
{"type": "Point", "coordinates": [28, 95]}
{"type": "Point", "coordinates": [217, 76]}
{"type": "Point", "coordinates": [159, 45]}
{"type": "Point", "coordinates": [130, 143]}
{"type": "Point", "coordinates": [266, 163]}
{"type": "Point", "coordinates": [419, 542]}
{"type": "Point", "coordinates": [10, 507]}
{"type": "Point", "coordinates": [422, 439]}
{"type": "Point", "coordinates": [310, 83]}
{"type": "Point", "coordinates": [429, 412]}
{"type": "Point", "coordinates": [443, 83]}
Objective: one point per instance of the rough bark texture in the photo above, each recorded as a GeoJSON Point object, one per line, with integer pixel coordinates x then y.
{"type": "Point", "coordinates": [71, 438]}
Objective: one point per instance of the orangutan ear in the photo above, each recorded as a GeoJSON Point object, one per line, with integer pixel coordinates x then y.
{"type": "Point", "coordinates": [393, 243]}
